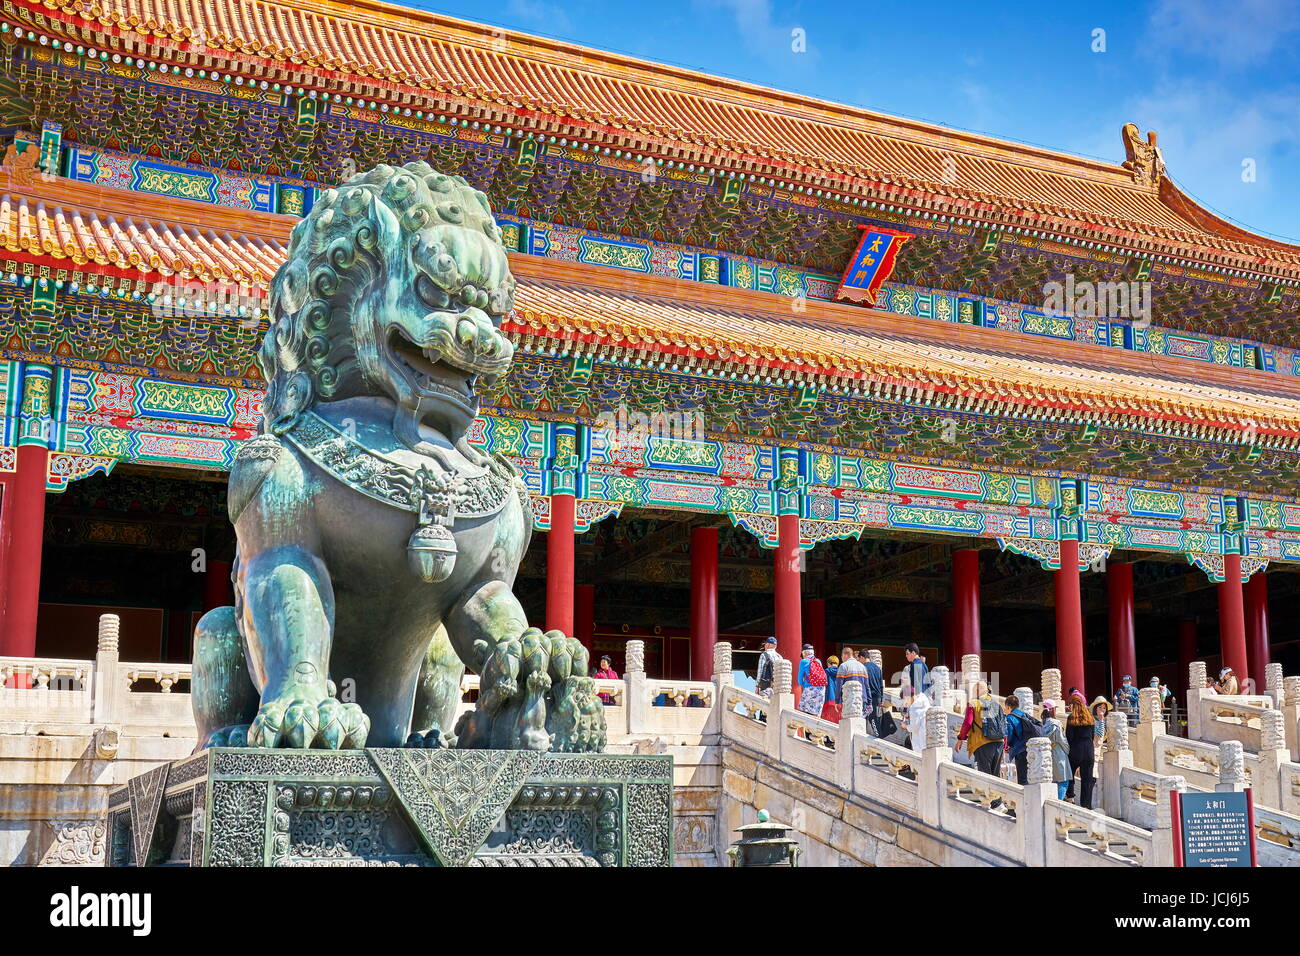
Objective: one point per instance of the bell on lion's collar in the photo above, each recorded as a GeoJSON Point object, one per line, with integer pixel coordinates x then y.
{"type": "Point", "coordinates": [432, 553]}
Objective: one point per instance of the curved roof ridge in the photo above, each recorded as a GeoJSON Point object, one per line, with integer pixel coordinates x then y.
{"type": "Point", "coordinates": [677, 113]}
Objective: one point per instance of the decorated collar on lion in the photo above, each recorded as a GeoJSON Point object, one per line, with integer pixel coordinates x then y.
{"type": "Point", "coordinates": [422, 328]}
{"type": "Point", "coordinates": [394, 289]}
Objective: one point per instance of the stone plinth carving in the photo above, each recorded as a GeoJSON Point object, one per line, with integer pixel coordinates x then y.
{"type": "Point", "coordinates": [873, 655]}
{"type": "Point", "coordinates": [398, 807]}
{"type": "Point", "coordinates": [1196, 675]}
{"type": "Point", "coordinates": [936, 728]}
{"type": "Point", "coordinates": [970, 668]}
{"type": "Point", "coordinates": [110, 626]}
{"type": "Point", "coordinates": [1149, 705]}
{"type": "Point", "coordinates": [1039, 760]}
{"type": "Point", "coordinates": [1117, 731]}
{"type": "Point", "coordinates": [782, 682]}
{"type": "Point", "coordinates": [939, 684]}
{"type": "Point", "coordinates": [852, 706]}
{"type": "Point", "coordinates": [722, 659]}
{"type": "Point", "coordinates": [1272, 730]}
{"type": "Point", "coordinates": [1290, 692]}
{"type": "Point", "coordinates": [1026, 697]}
{"type": "Point", "coordinates": [1051, 684]}
{"type": "Point", "coordinates": [1165, 786]}
{"type": "Point", "coordinates": [1232, 763]}
{"type": "Point", "coordinates": [634, 657]}
{"type": "Point", "coordinates": [1273, 679]}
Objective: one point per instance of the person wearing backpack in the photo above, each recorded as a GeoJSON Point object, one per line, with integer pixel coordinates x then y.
{"type": "Point", "coordinates": [984, 731]}
{"type": "Point", "coordinates": [812, 683]}
{"type": "Point", "coordinates": [1021, 728]}
{"type": "Point", "coordinates": [767, 662]}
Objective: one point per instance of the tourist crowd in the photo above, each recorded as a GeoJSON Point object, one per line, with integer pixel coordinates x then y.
{"type": "Point", "coordinates": [995, 735]}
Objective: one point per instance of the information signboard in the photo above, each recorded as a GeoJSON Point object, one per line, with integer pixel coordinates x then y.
{"type": "Point", "coordinates": [1213, 829]}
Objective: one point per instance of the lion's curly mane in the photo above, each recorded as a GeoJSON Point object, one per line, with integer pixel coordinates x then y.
{"type": "Point", "coordinates": [310, 351]}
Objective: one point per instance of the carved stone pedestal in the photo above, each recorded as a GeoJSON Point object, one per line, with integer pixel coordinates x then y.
{"type": "Point", "coordinates": [396, 807]}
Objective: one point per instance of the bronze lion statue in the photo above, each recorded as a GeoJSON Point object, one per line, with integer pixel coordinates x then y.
{"type": "Point", "coordinates": [377, 547]}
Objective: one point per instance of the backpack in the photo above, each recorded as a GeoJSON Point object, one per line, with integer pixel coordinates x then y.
{"type": "Point", "coordinates": [993, 723]}
{"type": "Point", "coordinates": [816, 673]}
{"type": "Point", "coordinates": [1029, 728]}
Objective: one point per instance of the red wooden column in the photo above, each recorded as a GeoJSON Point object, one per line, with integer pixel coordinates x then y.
{"type": "Point", "coordinates": [814, 627]}
{"type": "Point", "coordinates": [25, 516]}
{"type": "Point", "coordinates": [966, 603]}
{"type": "Point", "coordinates": [1069, 618]}
{"type": "Point", "coordinates": [704, 601]}
{"type": "Point", "coordinates": [948, 625]}
{"type": "Point", "coordinates": [584, 618]}
{"type": "Point", "coordinates": [1119, 600]}
{"type": "Point", "coordinates": [1232, 619]}
{"type": "Point", "coordinates": [1186, 654]}
{"type": "Point", "coordinates": [789, 632]}
{"type": "Point", "coordinates": [1256, 594]}
{"type": "Point", "coordinates": [559, 565]}
{"type": "Point", "coordinates": [7, 513]}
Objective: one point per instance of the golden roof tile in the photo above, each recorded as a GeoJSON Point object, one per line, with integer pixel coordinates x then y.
{"type": "Point", "coordinates": [79, 224]}
{"type": "Point", "coordinates": [711, 119]}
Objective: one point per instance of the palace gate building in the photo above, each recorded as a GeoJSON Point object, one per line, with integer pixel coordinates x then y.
{"type": "Point", "coordinates": [783, 366]}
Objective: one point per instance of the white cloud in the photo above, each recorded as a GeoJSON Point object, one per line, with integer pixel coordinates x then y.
{"type": "Point", "coordinates": [761, 35]}
{"type": "Point", "coordinates": [1235, 34]}
{"type": "Point", "coordinates": [539, 15]}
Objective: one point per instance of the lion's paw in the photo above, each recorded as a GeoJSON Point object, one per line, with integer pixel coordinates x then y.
{"type": "Point", "coordinates": [579, 720]}
{"type": "Point", "coordinates": [301, 723]}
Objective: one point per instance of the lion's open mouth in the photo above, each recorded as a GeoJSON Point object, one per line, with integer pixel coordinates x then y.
{"type": "Point", "coordinates": [430, 373]}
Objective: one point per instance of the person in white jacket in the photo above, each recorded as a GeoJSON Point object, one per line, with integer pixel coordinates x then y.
{"type": "Point", "coordinates": [917, 703]}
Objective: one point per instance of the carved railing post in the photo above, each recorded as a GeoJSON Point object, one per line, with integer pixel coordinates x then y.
{"type": "Point", "coordinates": [721, 663]}
{"type": "Point", "coordinates": [1291, 711]}
{"type": "Point", "coordinates": [941, 694]}
{"type": "Point", "coordinates": [636, 703]}
{"type": "Point", "coordinates": [970, 674]}
{"type": "Point", "coordinates": [1270, 783]}
{"type": "Point", "coordinates": [1195, 689]}
{"type": "Point", "coordinates": [1038, 789]}
{"type": "Point", "coordinates": [1150, 726]}
{"type": "Point", "coordinates": [1273, 682]}
{"type": "Point", "coordinates": [935, 754]}
{"type": "Point", "coordinates": [1232, 767]}
{"type": "Point", "coordinates": [1026, 697]}
{"type": "Point", "coordinates": [1114, 759]}
{"type": "Point", "coordinates": [104, 688]}
{"type": "Point", "coordinates": [852, 723]}
{"type": "Point", "coordinates": [722, 678]}
{"type": "Point", "coordinates": [1051, 684]}
{"type": "Point", "coordinates": [782, 699]}
{"type": "Point", "coordinates": [1162, 840]}
{"type": "Point", "coordinates": [1290, 691]}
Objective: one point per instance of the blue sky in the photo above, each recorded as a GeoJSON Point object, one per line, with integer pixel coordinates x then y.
{"type": "Point", "coordinates": [1219, 82]}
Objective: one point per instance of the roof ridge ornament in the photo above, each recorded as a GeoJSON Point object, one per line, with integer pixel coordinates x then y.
{"type": "Point", "coordinates": [1145, 160]}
